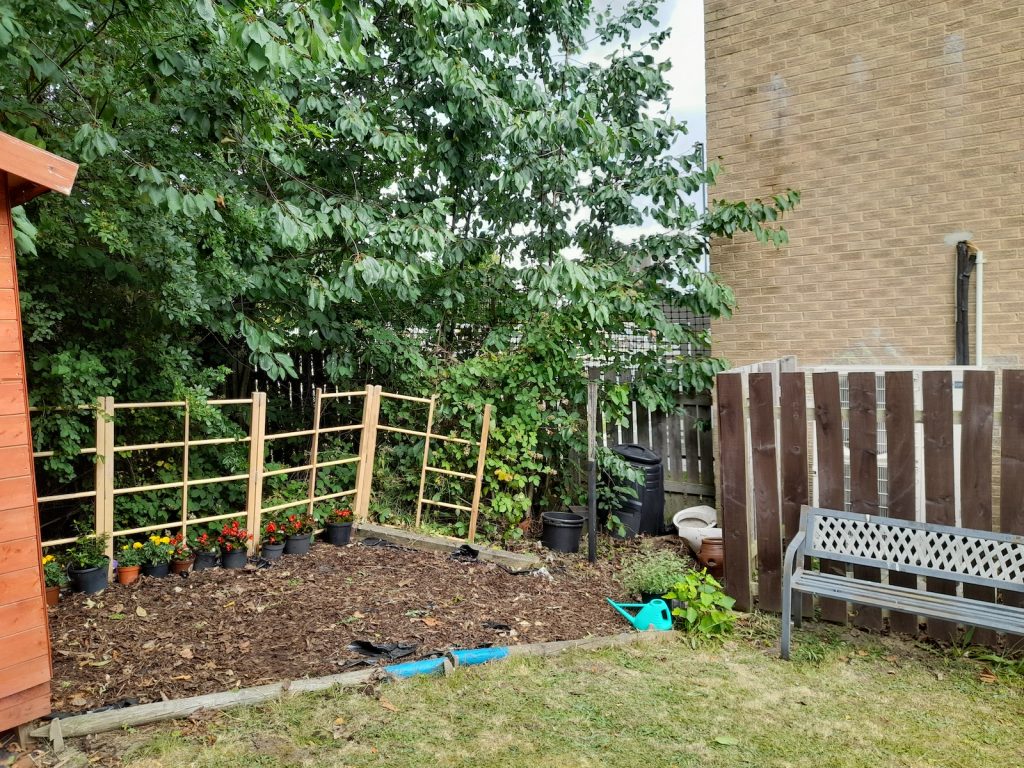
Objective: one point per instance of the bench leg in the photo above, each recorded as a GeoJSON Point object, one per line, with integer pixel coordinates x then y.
{"type": "Point", "coordinates": [787, 617]}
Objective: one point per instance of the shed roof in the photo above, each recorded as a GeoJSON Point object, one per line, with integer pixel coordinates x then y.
{"type": "Point", "coordinates": [32, 171]}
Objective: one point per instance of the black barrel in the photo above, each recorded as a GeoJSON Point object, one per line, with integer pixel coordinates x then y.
{"type": "Point", "coordinates": [562, 531]}
{"type": "Point", "coordinates": [649, 502]}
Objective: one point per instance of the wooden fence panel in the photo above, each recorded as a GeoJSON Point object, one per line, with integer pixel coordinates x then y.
{"type": "Point", "coordinates": [766, 492]}
{"type": "Point", "coordinates": [939, 490]}
{"type": "Point", "coordinates": [734, 488]}
{"type": "Point", "coordinates": [902, 478]}
{"type": "Point", "coordinates": [793, 453]}
{"type": "Point", "coordinates": [829, 431]}
{"type": "Point", "coordinates": [976, 472]}
{"type": "Point", "coordinates": [1011, 488]}
{"type": "Point", "coordinates": [692, 449]}
{"type": "Point", "coordinates": [706, 447]}
{"type": "Point", "coordinates": [863, 423]}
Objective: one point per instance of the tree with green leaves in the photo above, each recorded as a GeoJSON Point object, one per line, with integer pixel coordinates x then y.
{"type": "Point", "coordinates": [432, 191]}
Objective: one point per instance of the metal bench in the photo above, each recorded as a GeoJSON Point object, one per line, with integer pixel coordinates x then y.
{"type": "Point", "coordinates": [925, 549]}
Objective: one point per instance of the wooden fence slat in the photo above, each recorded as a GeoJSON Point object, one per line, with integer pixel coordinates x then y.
{"type": "Point", "coordinates": [976, 472]}
{"type": "Point", "coordinates": [1011, 479]}
{"type": "Point", "coordinates": [864, 474]}
{"type": "Point", "coordinates": [766, 492]}
{"type": "Point", "coordinates": [902, 475]}
{"type": "Point", "coordinates": [939, 489]}
{"type": "Point", "coordinates": [692, 451]}
{"type": "Point", "coordinates": [734, 487]}
{"type": "Point", "coordinates": [675, 438]}
{"type": "Point", "coordinates": [829, 431]}
{"type": "Point", "coordinates": [793, 459]}
{"type": "Point", "coordinates": [706, 447]}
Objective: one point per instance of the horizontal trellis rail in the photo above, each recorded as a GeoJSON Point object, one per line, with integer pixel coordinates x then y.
{"type": "Point", "coordinates": [107, 453]}
{"type": "Point", "coordinates": [940, 446]}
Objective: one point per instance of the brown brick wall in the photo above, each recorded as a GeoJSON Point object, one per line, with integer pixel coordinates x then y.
{"type": "Point", "coordinates": [901, 123]}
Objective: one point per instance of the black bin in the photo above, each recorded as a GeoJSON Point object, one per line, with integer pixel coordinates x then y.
{"type": "Point", "coordinates": [649, 504]}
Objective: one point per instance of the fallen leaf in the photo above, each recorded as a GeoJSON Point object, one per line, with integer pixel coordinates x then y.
{"type": "Point", "coordinates": [430, 621]}
{"type": "Point", "coordinates": [77, 701]}
{"type": "Point", "coordinates": [988, 677]}
{"type": "Point", "coordinates": [388, 705]}
{"type": "Point", "coordinates": [141, 612]}
{"type": "Point", "coordinates": [186, 653]}
{"type": "Point", "coordinates": [339, 721]}
{"type": "Point", "coordinates": [728, 741]}
{"type": "Point", "coordinates": [149, 645]}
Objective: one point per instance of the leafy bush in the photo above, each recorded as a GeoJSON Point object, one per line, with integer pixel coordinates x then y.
{"type": "Point", "coordinates": [88, 552]}
{"type": "Point", "coordinates": [653, 572]}
{"type": "Point", "coordinates": [706, 609]}
{"type": "Point", "coordinates": [54, 572]}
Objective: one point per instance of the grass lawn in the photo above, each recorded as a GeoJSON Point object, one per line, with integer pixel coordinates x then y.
{"type": "Point", "coordinates": [846, 700]}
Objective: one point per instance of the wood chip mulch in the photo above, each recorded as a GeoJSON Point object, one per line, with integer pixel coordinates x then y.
{"type": "Point", "coordinates": [215, 630]}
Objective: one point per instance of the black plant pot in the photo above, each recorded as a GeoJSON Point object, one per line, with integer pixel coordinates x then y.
{"type": "Point", "coordinates": [272, 551]}
{"type": "Point", "coordinates": [159, 571]}
{"type": "Point", "coordinates": [646, 597]}
{"type": "Point", "coordinates": [338, 534]}
{"type": "Point", "coordinates": [89, 580]}
{"type": "Point", "coordinates": [234, 559]}
{"type": "Point", "coordinates": [562, 531]}
{"type": "Point", "coordinates": [297, 545]}
{"type": "Point", "coordinates": [205, 560]}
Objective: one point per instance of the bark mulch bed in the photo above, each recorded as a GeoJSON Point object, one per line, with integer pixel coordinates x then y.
{"type": "Point", "coordinates": [215, 630]}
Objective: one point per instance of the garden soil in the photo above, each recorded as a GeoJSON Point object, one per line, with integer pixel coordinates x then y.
{"type": "Point", "coordinates": [217, 630]}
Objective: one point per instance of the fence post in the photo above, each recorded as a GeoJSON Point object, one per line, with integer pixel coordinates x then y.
{"type": "Point", "coordinates": [186, 427]}
{"type": "Point", "coordinates": [314, 451]}
{"type": "Point", "coordinates": [254, 497]}
{"type": "Point", "coordinates": [478, 485]}
{"type": "Point", "coordinates": [367, 450]}
{"type": "Point", "coordinates": [105, 472]}
{"type": "Point", "coordinates": [426, 459]}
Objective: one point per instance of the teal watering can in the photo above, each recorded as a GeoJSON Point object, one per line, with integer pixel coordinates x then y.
{"type": "Point", "coordinates": [652, 615]}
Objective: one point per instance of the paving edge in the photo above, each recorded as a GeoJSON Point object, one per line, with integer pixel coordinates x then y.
{"type": "Point", "coordinates": [430, 543]}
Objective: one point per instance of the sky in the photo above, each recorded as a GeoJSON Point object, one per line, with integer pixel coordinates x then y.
{"type": "Point", "coordinates": [685, 49]}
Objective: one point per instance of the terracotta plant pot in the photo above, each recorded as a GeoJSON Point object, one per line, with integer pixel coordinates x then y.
{"type": "Point", "coordinates": [712, 556]}
{"type": "Point", "coordinates": [126, 574]}
{"type": "Point", "coordinates": [52, 596]}
{"type": "Point", "coordinates": [181, 566]}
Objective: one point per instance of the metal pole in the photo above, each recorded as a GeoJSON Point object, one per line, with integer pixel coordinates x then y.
{"type": "Point", "coordinates": [592, 373]}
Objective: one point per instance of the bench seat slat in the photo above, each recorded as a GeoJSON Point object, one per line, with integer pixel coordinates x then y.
{"type": "Point", "coordinates": [1002, 618]}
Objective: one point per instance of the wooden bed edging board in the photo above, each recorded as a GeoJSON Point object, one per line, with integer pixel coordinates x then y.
{"type": "Point", "coordinates": [141, 714]}
{"type": "Point", "coordinates": [429, 543]}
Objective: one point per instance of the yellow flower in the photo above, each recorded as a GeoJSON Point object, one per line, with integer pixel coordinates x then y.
{"type": "Point", "coordinates": [48, 559]}
{"type": "Point", "coordinates": [137, 545]}
{"type": "Point", "coordinates": [165, 540]}
{"type": "Point", "coordinates": [154, 538]}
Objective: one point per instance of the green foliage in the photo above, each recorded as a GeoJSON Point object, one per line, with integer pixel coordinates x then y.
{"type": "Point", "coordinates": [653, 573]}
{"type": "Point", "coordinates": [89, 551]}
{"type": "Point", "coordinates": [438, 196]}
{"type": "Point", "coordinates": [706, 610]}
{"type": "Point", "coordinates": [130, 554]}
{"type": "Point", "coordinates": [157, 550]}
{"type": "Point", "coordinates": [54, 572]}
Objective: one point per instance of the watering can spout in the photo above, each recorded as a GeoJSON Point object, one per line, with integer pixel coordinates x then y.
{"type": "Point", "coordinates": [652, 615]}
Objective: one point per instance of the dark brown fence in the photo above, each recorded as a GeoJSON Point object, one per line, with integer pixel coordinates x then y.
{"type": "Point", "coordinates": [941, 446]}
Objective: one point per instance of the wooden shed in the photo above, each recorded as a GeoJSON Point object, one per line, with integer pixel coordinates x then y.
{"type": "Point", "coordinates": [25, 172]}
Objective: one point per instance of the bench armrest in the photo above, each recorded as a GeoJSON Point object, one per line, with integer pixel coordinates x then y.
{"type": "Point", "coordinates": [791, 551]}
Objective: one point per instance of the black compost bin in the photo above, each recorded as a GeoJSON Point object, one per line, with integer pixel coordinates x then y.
{"type": "Point", "coordinates": [649, 503]}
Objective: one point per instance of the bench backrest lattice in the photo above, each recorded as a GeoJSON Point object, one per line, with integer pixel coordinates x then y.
{"type": "Point", "coordinates": [925, 549]}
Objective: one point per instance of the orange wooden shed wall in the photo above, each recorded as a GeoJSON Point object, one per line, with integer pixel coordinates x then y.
{"type": "Point", "coordinates": [24, 634]}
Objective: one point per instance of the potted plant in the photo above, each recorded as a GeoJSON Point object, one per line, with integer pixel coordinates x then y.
{"type": "Point", "coordinates": [56, 577]}
{"type": "Point", "coordinates": [272, 539]}
{"type": "Point", "coordinates": [206, 550]}
{"type": "Point", "coordinates": [234, 542]}
{"type": "Point", "coordinates": [129, 559]}
{"type": "Point", "coordinates": [88, 564]}
{"type": "Point", "coordinates": [652, 574]}
{"type": "Point", "coordinates": [156, 556]}
{"type": "Point", "coordinates": [299, 530]}
{"type": "Point", "coordinates": [338, 527]}
{"type": "Point", "coordinates": [182, 557]}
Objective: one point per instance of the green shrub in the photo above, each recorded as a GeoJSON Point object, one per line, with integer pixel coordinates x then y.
{"type": "Point", "coordinates": [706, 609]}
{"type": "Point", "coordinates": [653, 572]}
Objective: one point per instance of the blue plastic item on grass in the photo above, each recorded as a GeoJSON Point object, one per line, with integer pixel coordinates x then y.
{"type": "Point", "coordinates": [652, 615]}
{"type": "Point", "coordinates": [410, 668]}
{"type": "Point", "coordinates": [470, 656]}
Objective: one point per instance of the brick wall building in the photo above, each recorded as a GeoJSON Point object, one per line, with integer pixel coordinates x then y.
{"type": "Point", "coordinates": [902, 124]}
